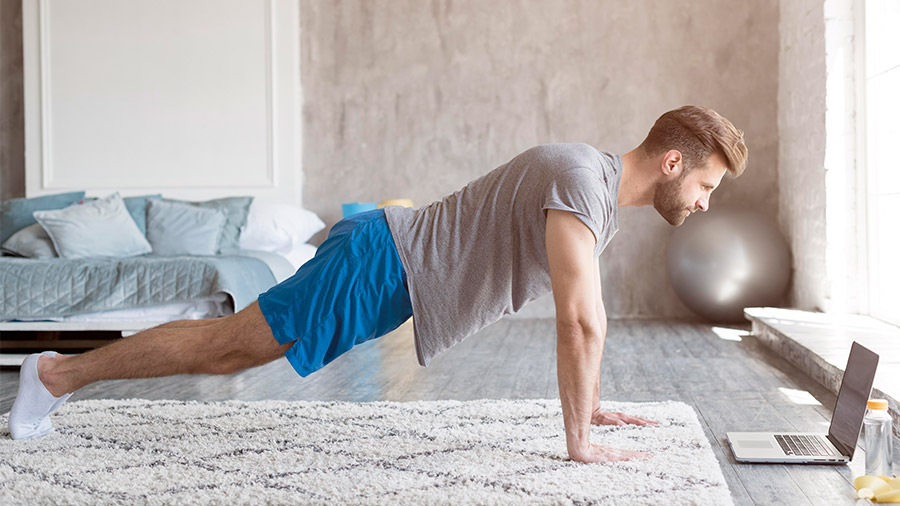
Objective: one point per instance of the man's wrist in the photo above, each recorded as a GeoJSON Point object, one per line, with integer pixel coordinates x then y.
{"type": "Point", "coordinates": [578, 441]}
{"type": "Point", "coordinates": [578, 449]}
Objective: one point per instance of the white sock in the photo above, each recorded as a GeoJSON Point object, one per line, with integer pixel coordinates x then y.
{"type": "Point", "coordinates": [30, 415]}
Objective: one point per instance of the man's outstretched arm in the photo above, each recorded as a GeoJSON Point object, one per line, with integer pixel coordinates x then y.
{"type": "Point", "coordinates": [579, 345]}
{"type": "Point", "coordinates": [598, 416]}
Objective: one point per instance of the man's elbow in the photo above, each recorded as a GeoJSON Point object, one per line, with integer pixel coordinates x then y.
{"type": "Point", "coordinates": [579, 329]}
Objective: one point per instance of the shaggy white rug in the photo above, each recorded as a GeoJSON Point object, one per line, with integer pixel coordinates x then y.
{"type": "Point", "coordinates": [273, 452]}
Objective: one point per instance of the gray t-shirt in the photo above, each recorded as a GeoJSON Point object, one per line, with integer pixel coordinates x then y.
{"type": "Point", "coordinates": [479, 253]}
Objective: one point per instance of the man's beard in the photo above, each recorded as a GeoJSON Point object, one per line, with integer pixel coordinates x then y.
{"type": "Point", "coordinates": [667, 201]}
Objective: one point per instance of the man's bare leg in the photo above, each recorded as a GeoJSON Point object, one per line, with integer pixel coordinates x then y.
{"type": "Point", "coordinates": [219, 346]}
{"type": "Point", "coordinates": [168, 325]}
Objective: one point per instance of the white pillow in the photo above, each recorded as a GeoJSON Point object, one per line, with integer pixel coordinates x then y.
{"type": "Point", "coordinates": [97, 228]}
{"type": "Point", "coordinates": [279, 228]}
{"type": "Point", "coordinates": [300, 255]}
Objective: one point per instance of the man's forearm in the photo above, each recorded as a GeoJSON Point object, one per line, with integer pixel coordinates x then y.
{"type": "Point", "coordinates": [578, 368]}
{"type": "Point", "coordinates": [601, 312]}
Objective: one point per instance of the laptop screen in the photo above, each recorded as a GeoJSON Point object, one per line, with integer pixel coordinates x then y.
{"type": "Point", "coordinates": [850, 408]}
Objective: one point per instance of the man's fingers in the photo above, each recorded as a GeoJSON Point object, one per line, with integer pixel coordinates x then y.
{"type": "Point", "coordinates": [636, 420]}
{"type": "Point", "coordinates": [641, 455]}
{"type": "Point", "coordinates": [634, 455]}
{"type": "Point", "coordinates": [607, 454]}
{"type": "Point", "coordinates": [619, 419]}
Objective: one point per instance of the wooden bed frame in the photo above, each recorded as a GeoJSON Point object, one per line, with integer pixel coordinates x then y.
{"type": "Point", "coordinates": [9, 348]}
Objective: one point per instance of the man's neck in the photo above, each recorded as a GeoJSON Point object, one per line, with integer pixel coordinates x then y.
{"type": "Point", "coordinates": [637, 186]}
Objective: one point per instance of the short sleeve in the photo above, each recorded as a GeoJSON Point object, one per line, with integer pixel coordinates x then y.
{"type": "Point", "coordinates": [581, 192]}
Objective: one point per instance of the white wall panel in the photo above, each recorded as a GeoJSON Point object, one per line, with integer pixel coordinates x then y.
{"type": "Point", "coordinates": [194, 98]}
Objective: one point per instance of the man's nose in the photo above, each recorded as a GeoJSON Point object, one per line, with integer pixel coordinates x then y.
{"type": "Point", "coordinates": [703, 204]}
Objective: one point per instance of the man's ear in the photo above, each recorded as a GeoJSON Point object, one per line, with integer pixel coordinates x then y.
{"type": "Point", "coordinates": [672, 163]}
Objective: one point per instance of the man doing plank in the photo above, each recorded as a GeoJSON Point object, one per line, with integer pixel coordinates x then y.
{"type": "Point", "coordinates": [536, 223]}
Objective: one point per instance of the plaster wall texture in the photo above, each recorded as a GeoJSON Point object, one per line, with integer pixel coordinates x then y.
{"type": "Point", "coordinates": [12, 122]}
{"type": "Point", "coordinates": [406, 98]}
{"type": "Point", "coordinates": [801, 153]}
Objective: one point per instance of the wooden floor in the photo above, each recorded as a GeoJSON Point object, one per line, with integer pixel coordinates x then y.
{"type": "Point", "coordinates": [734, 384]}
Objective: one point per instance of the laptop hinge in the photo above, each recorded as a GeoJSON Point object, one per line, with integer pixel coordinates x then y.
{"type": "Point", "coordinates": [841, 446]}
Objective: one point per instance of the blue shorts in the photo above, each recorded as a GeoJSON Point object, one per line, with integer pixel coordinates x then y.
{"type": "Point", "coordinates": [352, 291]}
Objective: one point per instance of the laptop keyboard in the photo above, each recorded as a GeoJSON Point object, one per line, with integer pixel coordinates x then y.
{"type": "Point", "coordinates": [814, 446]}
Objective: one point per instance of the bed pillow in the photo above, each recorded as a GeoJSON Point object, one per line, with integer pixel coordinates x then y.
{"type": "Point", "coordinates": [99, 228]}
{"type": "Point", "coordinates": [137, 208]}
{"type": "Point", "coordinates": [279, 228]}
{"type": "Point", "coordinates": [30, 242]}
{"type": "Point", "coordinates": [235, 210]}
{"type": "Point", "coordinates": [175, 228]}
{"type": "Point", "coordinates": [300, 255]}
{"type": "Point", "coordinates": [16, 214]}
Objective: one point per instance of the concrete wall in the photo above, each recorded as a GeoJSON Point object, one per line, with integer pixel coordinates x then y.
{"type": "Point", "coordinates": [12, 122]}
{"type": "Point", "coordinates": [407, 98]}
{"type": "Point", "coordinates": [801, 155]}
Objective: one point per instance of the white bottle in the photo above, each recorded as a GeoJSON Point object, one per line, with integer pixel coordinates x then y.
{"type": "Point", "coordinates": [878, 438]}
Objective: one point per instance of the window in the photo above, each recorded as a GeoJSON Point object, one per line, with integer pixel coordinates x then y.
{"type": "Point", "coordinates": [881, 88]}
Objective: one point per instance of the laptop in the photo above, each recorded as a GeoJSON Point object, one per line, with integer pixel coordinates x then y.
{"type": "Point", "coordinates": [804, 448]}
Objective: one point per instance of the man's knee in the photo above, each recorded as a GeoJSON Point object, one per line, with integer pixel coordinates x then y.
{"type": "Point", "coordinates": [239, 341]}
{"type": "Point", "coordinates": [216, 347]}
{"type": "Point", "coordinates": [226, 363]}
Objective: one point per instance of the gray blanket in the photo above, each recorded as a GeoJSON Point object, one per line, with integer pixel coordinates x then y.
{"type": "Point", "coordinates": [32, 288]}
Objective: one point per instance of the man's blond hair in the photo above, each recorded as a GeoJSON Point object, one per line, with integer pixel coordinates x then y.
{"type": "Point", "coordinates": [697, 132]}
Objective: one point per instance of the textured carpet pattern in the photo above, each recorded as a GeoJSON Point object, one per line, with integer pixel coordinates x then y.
{"type": "Point", "coordinates": [274, 452]}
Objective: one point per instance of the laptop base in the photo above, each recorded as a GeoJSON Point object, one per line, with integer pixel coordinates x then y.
{"type": "Point", "coordinates": [761, 447]}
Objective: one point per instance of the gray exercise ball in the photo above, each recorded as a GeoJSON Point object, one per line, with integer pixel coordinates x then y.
{"type": "Point", "coordinates": [724, 260]}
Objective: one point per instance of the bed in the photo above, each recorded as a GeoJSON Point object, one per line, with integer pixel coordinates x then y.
{"type": "Point", "coordinates": [61, 289]}
{"type": "Point", "coordinates": [46, 287]}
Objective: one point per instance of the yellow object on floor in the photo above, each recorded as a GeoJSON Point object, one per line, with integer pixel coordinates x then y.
{"type": "Point", "coordinates": [881, 489]}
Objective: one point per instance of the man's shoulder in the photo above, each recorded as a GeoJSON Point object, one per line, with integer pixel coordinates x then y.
{"type": "Point", "coordinates": [561, 156]}
{"type": "Point", "coordinates": [565, 148]}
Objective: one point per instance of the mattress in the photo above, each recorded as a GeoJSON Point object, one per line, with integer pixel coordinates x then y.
{"type": "Point", "coordinates": [54, 288]}
{"type": "Point", "coordinates": [214, 306]}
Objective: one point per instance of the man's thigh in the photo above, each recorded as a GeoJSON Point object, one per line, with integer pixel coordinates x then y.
{"type": "Point", "coordinates": [352, 291]}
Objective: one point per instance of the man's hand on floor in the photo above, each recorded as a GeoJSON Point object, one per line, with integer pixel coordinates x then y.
{"type": "Point", "coordinates": [597, 453]}
{"type": "Point", "coordinates": [600, 417]}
